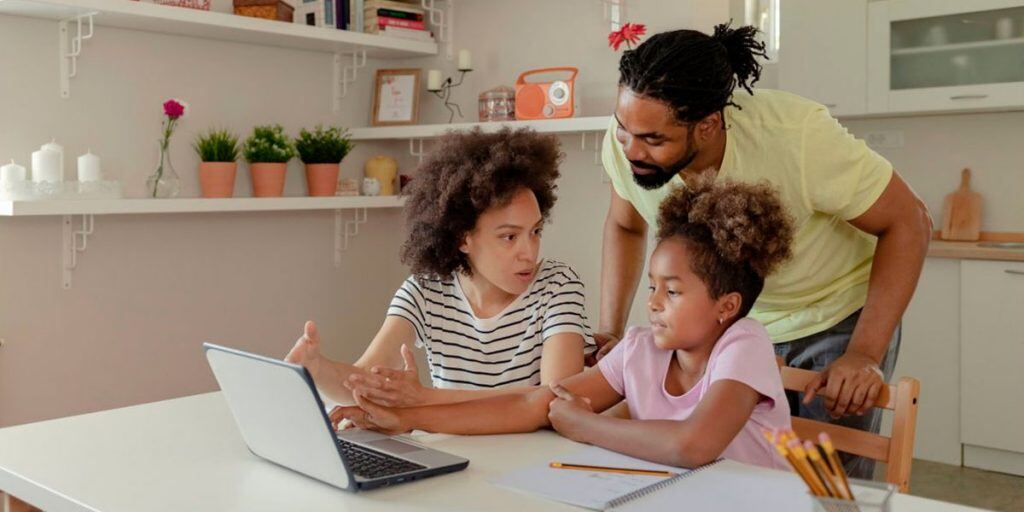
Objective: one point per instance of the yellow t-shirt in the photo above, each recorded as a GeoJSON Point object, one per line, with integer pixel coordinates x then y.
{"type": "Point", "coordinates": [824, 177]}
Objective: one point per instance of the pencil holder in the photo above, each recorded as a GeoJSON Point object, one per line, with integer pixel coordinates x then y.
{"type": "Point", "coordinates": [870, 496]}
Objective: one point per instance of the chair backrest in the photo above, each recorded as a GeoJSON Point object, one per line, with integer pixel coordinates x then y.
{"type": "Point", "coordinates": [897, 450]}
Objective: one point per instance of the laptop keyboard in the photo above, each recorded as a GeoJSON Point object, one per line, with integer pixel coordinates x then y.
{"type": "Point", "coordinates": [370, 464]}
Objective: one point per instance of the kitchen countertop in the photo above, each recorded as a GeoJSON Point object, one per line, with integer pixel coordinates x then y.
{"type": "Point", "coordinates": [972, 251]}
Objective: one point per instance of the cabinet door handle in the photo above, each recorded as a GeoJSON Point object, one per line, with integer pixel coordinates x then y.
{"type": "Point", "coordinates": [1014, 272]}
{"type": "Point", "coordinates": [969, 97]}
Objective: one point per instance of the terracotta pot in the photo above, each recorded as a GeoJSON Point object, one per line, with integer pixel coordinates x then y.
{"type": "Point", "coordinates": [268, 179]}
{"type": "Point", "coordinates": [217, 179]}
{"type": "Point", "coordinates": [322, 179]}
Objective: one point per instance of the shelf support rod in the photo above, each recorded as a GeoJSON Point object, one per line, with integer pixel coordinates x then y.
{"type": "Point", "coordinates": [443, 19]}
{"type": "Point", "coordinates": [70, 47]}
{"type": "Point", "coordinates": [73, 242]}
{"type": "Point", "coordinates": [344, 230]}
{"type": "Point", "coordinates": [416, 149]}
{"type": "Point", "coordinates": [345, 74]}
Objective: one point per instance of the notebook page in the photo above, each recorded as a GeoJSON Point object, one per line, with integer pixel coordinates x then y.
{"type": "Point", "coordinates": [728, 486]}
{"type": "Point", "coordinates": [593, 490]}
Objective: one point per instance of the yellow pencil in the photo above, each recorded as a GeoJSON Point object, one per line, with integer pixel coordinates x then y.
{"type": "Point", "coordinates": [834, 462]}
{"type": "Point", "coordinates": [829, 480]}
{"type": "Point", "coordinates": [797, 468]}
{"type": "Point", "coordinates": [606, 469]}
{"type": "Point", "coordinates": [801, 458]}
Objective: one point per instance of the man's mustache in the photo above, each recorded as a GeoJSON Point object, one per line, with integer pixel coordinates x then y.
{"type": "Point", "coordinates": [645, 165]}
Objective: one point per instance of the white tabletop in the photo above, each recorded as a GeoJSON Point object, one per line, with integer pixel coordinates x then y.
{"type": "Point", "coordinates": [186, 454]}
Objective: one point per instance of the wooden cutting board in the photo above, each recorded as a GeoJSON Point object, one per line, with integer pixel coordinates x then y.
{"type": "Point", "coordinates": [961, 212]}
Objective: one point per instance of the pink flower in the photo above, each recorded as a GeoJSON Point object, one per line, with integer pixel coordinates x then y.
{"type": "Point", "coordinates": [174, 108]}
{"type": "Point", "coordinates": [629, 33]}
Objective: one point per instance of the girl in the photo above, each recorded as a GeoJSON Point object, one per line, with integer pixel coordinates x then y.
{"type": "Point", "coordinates": [492, 317]}
{"type": "Point", "coordinates": [701, 382]}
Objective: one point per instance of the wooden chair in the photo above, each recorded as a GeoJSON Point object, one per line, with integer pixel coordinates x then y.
{"type": "Point", "coordinates": [896, 451]}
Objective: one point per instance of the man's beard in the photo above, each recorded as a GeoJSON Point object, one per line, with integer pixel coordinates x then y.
{"type": "Point", "coordinates": [661, 175]}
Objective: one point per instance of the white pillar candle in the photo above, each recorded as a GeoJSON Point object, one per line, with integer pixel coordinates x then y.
{"type": "Point", "coordinates": [46, 166]}
{"type": "Point", "coordinates": [434, 80]}
{"type": "Point", "coordinates": [89, 168]}
{"type": "Point", "coordinates": [12, 172]}
{"type": "Point", "coordinates": [465, 60]}
{"type": "Point", "coordinates": [53, 146]}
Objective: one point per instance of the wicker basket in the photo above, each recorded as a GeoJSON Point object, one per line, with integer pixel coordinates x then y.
{"type": "Point", "coordinates": [267, 9]}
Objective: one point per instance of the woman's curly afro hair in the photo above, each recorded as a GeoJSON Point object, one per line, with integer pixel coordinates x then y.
{"type": "Point", "coordinates": [468, 173]}
{"type": "Point", "coordinates": [736, 234]}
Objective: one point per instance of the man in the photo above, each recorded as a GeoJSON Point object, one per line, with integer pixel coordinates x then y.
{"type": "Point", "coordinates": [861, 232]}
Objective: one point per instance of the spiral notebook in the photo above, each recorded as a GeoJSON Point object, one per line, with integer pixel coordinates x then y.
{"type": "Point", "coordinates": [594, 490]}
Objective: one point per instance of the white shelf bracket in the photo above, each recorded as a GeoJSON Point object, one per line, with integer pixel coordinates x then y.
{"type": "Point", "coordinates": [416, 149]}
{"type": "Point", "coordinates": [598, 139]}
{"type": "Point", "coordinates": [344, 230]}
{"type": "Point", "coordinates": [345, 73]}
{"type": "Point", "coordinates": [74, 242]}
{"type": "Point", "coordinates": [71, 47]}
{"type": "Point", "coordinates": [443, 20]}
{"type": "Point", "coordinates": [614, 13]}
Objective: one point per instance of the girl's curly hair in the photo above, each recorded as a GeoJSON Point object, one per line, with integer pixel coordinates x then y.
{"type": "Point", "coordinates": [466, 174]}
{"type": "Point", "coordinates": [736, 234]}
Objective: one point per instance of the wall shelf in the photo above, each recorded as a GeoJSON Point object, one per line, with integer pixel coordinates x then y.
{"type": "Point", "coordinates": [219, 26]}
{"type": "Point", "coordinates": [193, 205]}
{"type": "Point", "coordinates": [427, 131]}
{"type": "Point", "coordinates": [75, 240]}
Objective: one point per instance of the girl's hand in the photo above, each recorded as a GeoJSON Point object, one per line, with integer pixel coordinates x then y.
{"type": "Point", "coordinates": [306, 351]}
{"type": "Point", "coordinates": [390, 387]}
{"type": "Point", "coordinates": [368, 415]}
{"type": "Point", "coordinates": [568, 413]}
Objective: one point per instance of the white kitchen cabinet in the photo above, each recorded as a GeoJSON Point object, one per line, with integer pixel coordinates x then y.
{"type": "Point", "coordinates": [992, 364]}
{"type": "Point", "coordinates": [945, 55]}
{"type": "Point", "coordinates": [823, 54]}
{"type": "Point", "coordinates": [930, 353]}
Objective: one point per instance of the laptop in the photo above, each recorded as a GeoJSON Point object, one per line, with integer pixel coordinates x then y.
{"type": "Point", "coordinates": [282, 419]}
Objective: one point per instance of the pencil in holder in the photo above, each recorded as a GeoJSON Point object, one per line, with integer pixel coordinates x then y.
{"type": "Point", "coordinates": [871, 497]}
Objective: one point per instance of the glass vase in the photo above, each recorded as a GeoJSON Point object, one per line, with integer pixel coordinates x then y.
{"type": "Point", "coordinates": [164, 182]}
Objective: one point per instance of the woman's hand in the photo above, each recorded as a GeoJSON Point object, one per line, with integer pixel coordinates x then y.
{"type": "Point", "coordinates": [368, 415]}
{"type": "Point", "coordinates": [390, 387]}
{"type": "Point", "coordinates": [568, 413]}
{"type": "Point", "coordinates": [306, 351]}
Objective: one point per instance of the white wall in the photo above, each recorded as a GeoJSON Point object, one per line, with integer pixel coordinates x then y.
{"type": "Point", "coordinates": [151, 287]}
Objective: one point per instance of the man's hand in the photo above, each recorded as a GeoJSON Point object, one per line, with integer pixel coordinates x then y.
{"type": "Point", "coordinates": [851, 385]}
{"type": "Point", "coordinates": [567, 413]}
{"type": "Point", "coordinates": [368, 415]}
{"type": "Point", "coordinates": [390, 387]}
{"type": "Point", "coordinates": [306, 351]}
{"type": "Point", "coordinates": [606, 341]}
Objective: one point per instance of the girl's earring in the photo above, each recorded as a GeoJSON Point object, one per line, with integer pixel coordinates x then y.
{"type": "Point", "coordinates": [721, 321]}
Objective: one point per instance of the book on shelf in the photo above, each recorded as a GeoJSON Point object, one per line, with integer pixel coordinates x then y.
{"type": "Point", "coordinates": [370, 7]}
{"type": "Point", "coordinates": [395, 13]}
{"type": "Point", "coordinates": [407, 33]}
{"type": "Point", "coordinates": [381, 22]}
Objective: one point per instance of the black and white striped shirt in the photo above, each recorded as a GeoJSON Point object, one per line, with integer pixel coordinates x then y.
{"type": "Point", "coordinates": [467, 352]}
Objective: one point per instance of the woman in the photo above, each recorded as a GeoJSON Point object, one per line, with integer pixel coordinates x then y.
{"type": "Point", "coordinates": [491, 315]}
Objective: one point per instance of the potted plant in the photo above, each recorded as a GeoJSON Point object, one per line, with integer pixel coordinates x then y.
{"type": "Point", "coordinates": [218, 152]}
{"type": "Point", "coordinates": [322, 150]}
{"type": "Point", "coordinates": [268, 151]}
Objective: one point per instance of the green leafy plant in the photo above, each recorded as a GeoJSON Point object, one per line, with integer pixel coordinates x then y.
{"type": "Point", "coordinates": [323, 145]}
{"type": "Point", "coordinates": [268, 144]}
{"type": "Point", "coordinates": [216, 146]}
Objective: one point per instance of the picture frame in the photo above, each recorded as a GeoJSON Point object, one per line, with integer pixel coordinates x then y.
{"type": "Point", "coordinates": [396, 97]}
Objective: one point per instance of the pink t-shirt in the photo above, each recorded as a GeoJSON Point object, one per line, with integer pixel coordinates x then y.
{"type": "Point", "coordinates": [636, 369]}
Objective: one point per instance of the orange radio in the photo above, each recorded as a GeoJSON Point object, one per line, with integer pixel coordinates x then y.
{"type": "Point", "coordinates": [545, 100]}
